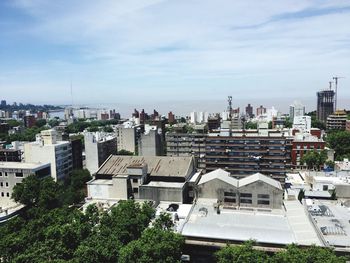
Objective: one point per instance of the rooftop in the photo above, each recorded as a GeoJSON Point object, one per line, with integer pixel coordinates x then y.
{"type": "Point", "coordinates": [237, 225]}
{"type": "Point", "coordinates": [18, 165]}
{"type": "Point", "coordinates": [157, 165]}
{"type": "Point", "coordinates": [164, 184]}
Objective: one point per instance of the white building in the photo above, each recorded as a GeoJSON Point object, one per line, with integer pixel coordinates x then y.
{"type": "Point", "coordinates": [98, 147]}
{"type": "Point", "coordinates": [296, 110]}
{"type": "Point", "coordinates": [47, 149]}
{"type": "Point", "coordinates": [127, 136]}
{"type": "Point", "coordinates": [193, 117]}
{"type": "Point", "coordinates": [12, 173]}
{"type": "Point", "coordinates": [302, 123]}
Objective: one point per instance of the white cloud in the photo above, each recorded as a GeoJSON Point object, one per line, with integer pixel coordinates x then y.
{"type": "Point", "coordinates": [149, 45]}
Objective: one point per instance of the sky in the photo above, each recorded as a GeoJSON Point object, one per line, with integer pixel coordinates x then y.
{"type": "Point", "coordinates": [178, 55]}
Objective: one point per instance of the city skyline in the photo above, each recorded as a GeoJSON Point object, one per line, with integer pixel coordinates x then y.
{"type": "Point", "coordinates": [145, 52]}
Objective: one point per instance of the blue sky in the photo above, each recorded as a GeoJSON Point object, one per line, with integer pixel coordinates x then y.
{"type": "Point", "coordinates": [140, 52]}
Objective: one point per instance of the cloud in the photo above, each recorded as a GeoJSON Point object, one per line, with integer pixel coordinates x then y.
{"type": "Point", "coordinates": [186, 47]}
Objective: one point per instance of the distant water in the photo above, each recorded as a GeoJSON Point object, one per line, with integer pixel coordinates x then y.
{"type": "Point", "coordinates": [59, 114]}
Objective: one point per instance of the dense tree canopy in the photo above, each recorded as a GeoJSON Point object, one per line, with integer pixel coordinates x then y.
{"type": "Point", "coordinates": [292, 254]}
{"type": "Point", "coordinates": [51, 230]}
{"type": "Point", "coordinates": [339, 141]}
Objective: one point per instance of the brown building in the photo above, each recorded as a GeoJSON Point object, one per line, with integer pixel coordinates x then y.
{"type": "Point", "coordinates": [247, 152]}
{"type": "Point", "coordinates": [29, 121]}
{"type": "Point", "coordinates": [303, 144]}
{"type": "Point", "coordinates": [171, 118]}
{"type": "Point", "coordinates": [261, 110]}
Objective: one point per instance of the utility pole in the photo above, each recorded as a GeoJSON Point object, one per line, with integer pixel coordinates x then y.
{"type": "Point", "coordinates": [336, 91]}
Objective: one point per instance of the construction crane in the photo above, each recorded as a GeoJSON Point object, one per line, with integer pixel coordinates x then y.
{"type": "Point", "coordinates": [336, 91]}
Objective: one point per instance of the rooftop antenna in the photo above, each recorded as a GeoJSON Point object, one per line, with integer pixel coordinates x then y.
{"type": "Point", "coordinates": [336, 91]}
{"type": "Point", "coordinates": [330, 85]}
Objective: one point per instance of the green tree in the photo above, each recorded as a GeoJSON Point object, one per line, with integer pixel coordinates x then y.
{"type": "Point", "coordinates": [241, 254]}
{"type": "Point", "coordinates": [40, 123]}
{"type": "Point", "coordinates": [155, 245]}
{"type": "Point", "coordinates": [314, 160]}
{"type": "Point", "coordinates": [313, 254]}
{"type": "Point", "coordinates": [251, 125]}
{"type": "Point", "coordinates": [339, 141]}
{"type": "Point", "coordinates": [75, 186]}
{"type": "Point", "coordinates": [164, 222]}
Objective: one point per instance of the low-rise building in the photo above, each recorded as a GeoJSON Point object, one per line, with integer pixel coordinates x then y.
{"type": "Point", "coordinates": [337, 120]}
{"type": "Point", "coordinates": [12, 173]}
{"type": "Point", "coordinates": [158, 178]}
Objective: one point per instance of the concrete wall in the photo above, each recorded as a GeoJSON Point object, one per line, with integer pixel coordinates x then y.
{"type": "Point", "coordinates": [260, 188]}
{"type": "Point", "coordinates": [215, 189]}
{"type": "Point", "coordinates": [126, 139]}
{"type": "Point", "coordinates": [150, 144]}
{"type": "Point", "coordinates": [161, 193]}
{"type": "Point", "coordinates": [342, 190]}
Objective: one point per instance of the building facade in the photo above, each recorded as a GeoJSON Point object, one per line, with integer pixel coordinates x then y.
{"type": "Point", "coordinates": [98, 147]}
{"type": "Point", "coordinates": [12, 173]}
{"type": "Point", "coordinates": [248, 152]}
{"type": "Point", "coordinates": [47, 149]}
{"type": "Point", "coordinates": [337, 120]}
{"type": "Point", "coordinates": [325, 104]}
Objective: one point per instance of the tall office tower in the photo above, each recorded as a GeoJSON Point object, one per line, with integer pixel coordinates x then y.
{"type": "Point", "coordinates": [325, 104]}
{"type": "Point", "coordinates": [249, 111]}
{"type": "Point", "coordinates": [261, 110]}
{"type": "Point", "coordinates": [296, 109]}
{"type": "Point", "coordinates": [3, 103]}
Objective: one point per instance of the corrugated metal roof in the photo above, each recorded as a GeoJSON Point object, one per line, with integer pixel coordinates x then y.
{"type": "Point", "coordinates": [259, 177]}
{"type": "Point", "coordinates": [157, 165]}
{"type": "Point", "coordinates": [221, 175]}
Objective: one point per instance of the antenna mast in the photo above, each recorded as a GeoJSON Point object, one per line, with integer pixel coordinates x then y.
{"type": "Point", "coordinates": [229, 108]}
{"type": "Point", "coordinates": [336, 91]}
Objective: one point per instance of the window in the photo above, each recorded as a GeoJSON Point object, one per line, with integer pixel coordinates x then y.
{"type": "Point", "coordinates": [229, 194]}
{"type": "Point", "coordinates": [2, 194]}
{"type": "Point", "coordinates": [263, 196]}
{"type": "Point", "coordinates": [263, 202]}
{"type": "Point", "coordinates": [6, 174]}
{"type": "Point", "coordinates": [1, 184]}
{"type": "Point", "coordinates": [7, 184]}
{"type": "Point", "coordinates": [246, 195]}
{"type": "Point", "coordinates": [8, 194]}
{"type": "Point", "coordinates": [134, 180]}
{"type": "Point", "coordinates": [246, 201]}
{"type": "Point", "coordinates": [0, 174]}
{"type": "Point", "coordinates": [19, 174]}
{"type": "Point", "coordinates": [229, 200]}
{"type": "Point", "coordinates": [325, 188]}
{"type": "Point", "coordinates": [135, 190]}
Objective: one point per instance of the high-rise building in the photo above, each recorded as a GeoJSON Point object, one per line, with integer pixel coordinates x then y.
{"type": "Point", "coordinates": [296, 109]}
{"type": "Point", "coordinates": [47, 149]}
{"type": "Point", "coordinates": [261, 110]}
{"type": "Point", "coordinates": [3, 103]}
{"type": "Point", "coordinates": [325, 104]}
{"type": "Point", "coordinates": [98, 147]}
{"type": "Point", "coordinates": [252, 151]}
{"type": "Point", "coordinates": [249, 111]}
{"type": "Point", "coordinates": [127, 136]}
